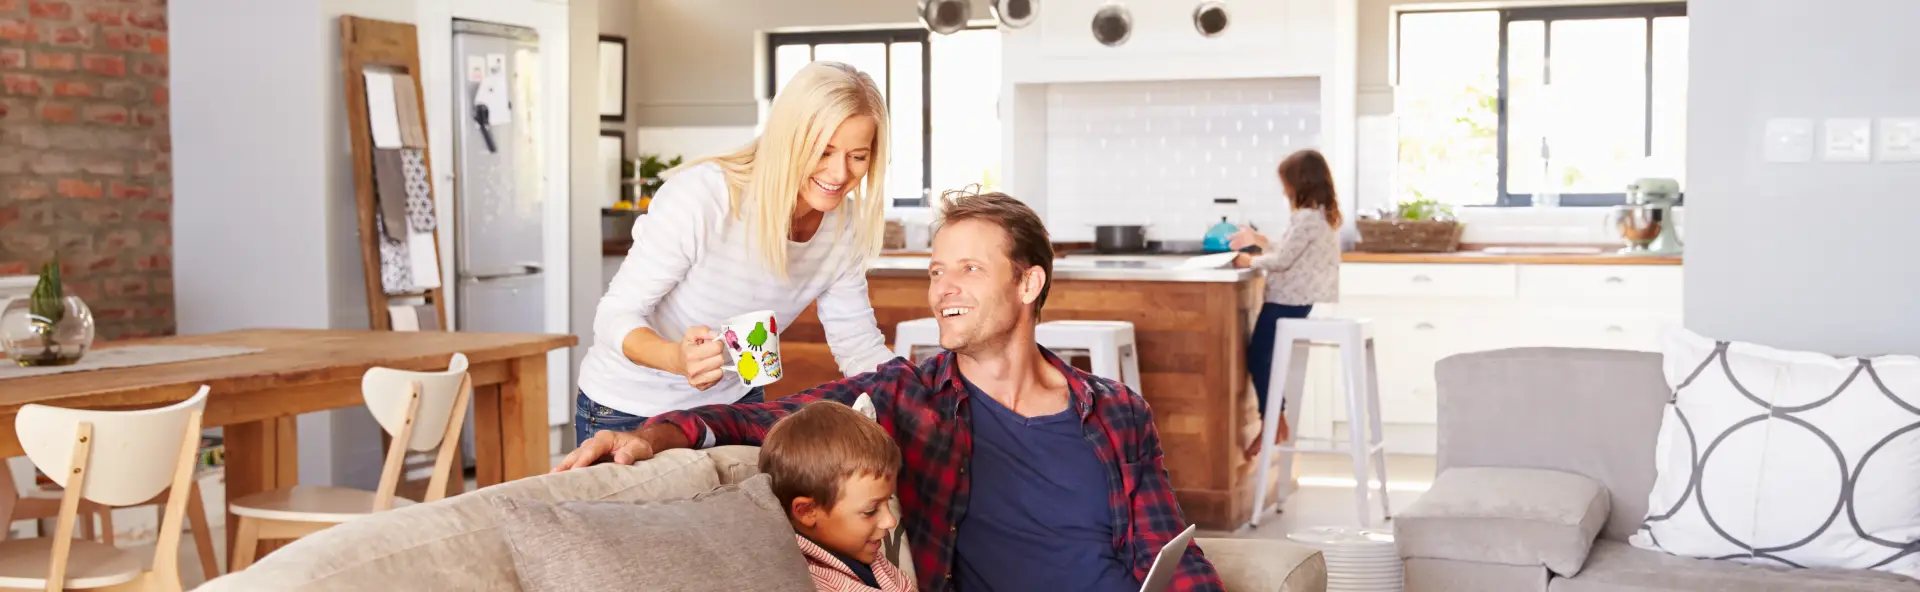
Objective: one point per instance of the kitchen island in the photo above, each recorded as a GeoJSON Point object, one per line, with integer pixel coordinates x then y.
{"type": "Point", "coordinates": [1190, 326]}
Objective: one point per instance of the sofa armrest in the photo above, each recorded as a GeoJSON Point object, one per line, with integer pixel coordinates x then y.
{"type": "Point", "coordinates": [1266, 566]}
{"type": "Point", "coordinates": [1506, 516]}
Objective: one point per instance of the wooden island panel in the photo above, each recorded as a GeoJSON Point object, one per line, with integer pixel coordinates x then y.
{"type": "Point", "coordinates": [1191, 337]}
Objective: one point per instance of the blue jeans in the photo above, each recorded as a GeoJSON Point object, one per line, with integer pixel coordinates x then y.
{"type": "Point", "coordinates": [1260, 347]}
{"type": "Point", "coordinates": [590, 417]}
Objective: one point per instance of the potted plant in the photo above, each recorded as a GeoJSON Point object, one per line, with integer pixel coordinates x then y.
{"type": "Point", "coordinates": [1421, 225]}
{"type": "Point", "coordinates": [649, 169]}
{"type": "Point", "coordinates": [48, 327]}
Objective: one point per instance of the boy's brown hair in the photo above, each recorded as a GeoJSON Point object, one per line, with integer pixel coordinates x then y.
{"type": "Point", "coordinates": [1028, 244]}
{"type": "Point", "coordinates": [811, 451]}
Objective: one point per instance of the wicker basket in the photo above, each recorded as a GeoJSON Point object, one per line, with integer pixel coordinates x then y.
{"type": "Point", "coordinates": [895, 237]}
{"type": "Point", "coordinates": [1409, 236]}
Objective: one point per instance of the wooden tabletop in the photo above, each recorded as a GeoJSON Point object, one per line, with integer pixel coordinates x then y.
{"type": "Point", "coordinates": [290, 357]}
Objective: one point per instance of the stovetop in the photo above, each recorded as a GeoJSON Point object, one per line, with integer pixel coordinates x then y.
{"type": "Point", "coordinates": [1163, 248]}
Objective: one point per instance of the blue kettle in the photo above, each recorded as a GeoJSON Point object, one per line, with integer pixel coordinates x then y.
{"type": "Point", "coordinates": [1219, 236]}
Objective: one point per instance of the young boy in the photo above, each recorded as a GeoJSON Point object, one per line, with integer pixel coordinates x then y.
{"type": "Point", "coordinates": [834, 470]}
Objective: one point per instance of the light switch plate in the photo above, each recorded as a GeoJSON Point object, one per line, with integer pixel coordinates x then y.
{"type": "Point", "coordinates": [1789, 140]}
{"type": "Point", "coordinates": [1848, 140]}
{"type": "Point", "coordinates": [1899, 139]}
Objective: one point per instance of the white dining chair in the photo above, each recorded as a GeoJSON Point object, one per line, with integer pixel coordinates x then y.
{"type": "Point", "coordinates": [420, 410]}
{"type": "Point", "coordinates": [115, 459]}
{"type": "Point", "coordinates": [41, 502]}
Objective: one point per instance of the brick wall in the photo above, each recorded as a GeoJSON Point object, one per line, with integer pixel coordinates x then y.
{"type": "Point", "coordinates": [85, 155]}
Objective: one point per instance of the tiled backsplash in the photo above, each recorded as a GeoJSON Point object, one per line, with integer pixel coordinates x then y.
{"type": "Point", "coordinates": [1160, 152]}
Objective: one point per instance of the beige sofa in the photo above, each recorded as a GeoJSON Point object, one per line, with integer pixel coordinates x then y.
{"type": "Point", "coordinates": [1546, 458]}
{"type": "Point", "coordinates": [457, 544]}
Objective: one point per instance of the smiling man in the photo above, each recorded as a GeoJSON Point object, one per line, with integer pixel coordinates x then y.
{"type": "Point", "coordinates": [1021, 472]}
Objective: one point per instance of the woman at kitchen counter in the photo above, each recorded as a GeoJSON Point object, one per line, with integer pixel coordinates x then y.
{"type": "Point", "coordinates": [788, 220]}
{"type": "Point", "coordinates": [1303, 268]}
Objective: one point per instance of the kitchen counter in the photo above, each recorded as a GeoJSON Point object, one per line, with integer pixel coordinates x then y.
{"type": "Point", "coordinates": [1140, 268]}
{"type": "Point", "coordinates": [615, 247]}
{"type": "Point", "coordinates": [1523, 255]}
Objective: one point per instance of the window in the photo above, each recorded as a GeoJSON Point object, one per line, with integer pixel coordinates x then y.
{"type": "Point", "coordinates": [1506, 107]}
{"type": "Point", "coordinates": [943, 103]}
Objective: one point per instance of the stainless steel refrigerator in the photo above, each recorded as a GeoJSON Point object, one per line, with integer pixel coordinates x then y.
{"type": "Point", "coordinates": [499, 189]}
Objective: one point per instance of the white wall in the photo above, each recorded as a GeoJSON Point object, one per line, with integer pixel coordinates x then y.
{"type": "Point", "coordinates": [259, 217]}
{"type": "Point", "coordinates": [617, 18]}
{"type": "Point", "coordinates": [247, 252]}
{"type": "Point", "coordinates": [1816, 255]}
{"type": "Point", "coordinates": [584, 177]}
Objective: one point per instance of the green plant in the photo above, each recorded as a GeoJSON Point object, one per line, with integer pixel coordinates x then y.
{"type": "Point", "coordinates": [649, 168]}
{"type": "Point", "coordinates": [47, 306]}
{"type": "Point", "coordinates": [652, 165]}
{"type": "Point", "coordinates": [1423, 209]}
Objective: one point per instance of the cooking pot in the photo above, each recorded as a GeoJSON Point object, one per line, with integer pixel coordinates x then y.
{"type": "Point", "coordinates": [1120, 238]}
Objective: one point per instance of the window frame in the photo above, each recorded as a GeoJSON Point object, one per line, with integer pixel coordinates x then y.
{"type": "Point", "coordinates": [812, 39]}
{"type": "Point", "coordinates": [1647, 12]}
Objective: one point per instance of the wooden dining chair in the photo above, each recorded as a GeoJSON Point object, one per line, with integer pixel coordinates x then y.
{"type": "Point", "coordinates": [41, 502]}
{"type": "Point", "coordinates": [420, 410]}
{"type": "Point", "coordinates": [115, 459]}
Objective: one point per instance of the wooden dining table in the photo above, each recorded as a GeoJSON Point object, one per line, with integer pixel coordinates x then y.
{"type": "Point", "coordinates": [255, 397]}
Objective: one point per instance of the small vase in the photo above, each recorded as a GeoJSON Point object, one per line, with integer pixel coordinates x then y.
{"type": "Point", "coordinates": [30, 341]}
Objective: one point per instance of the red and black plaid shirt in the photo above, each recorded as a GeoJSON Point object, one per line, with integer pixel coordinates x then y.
{"type": "Point", "coordinates": [924, 408]}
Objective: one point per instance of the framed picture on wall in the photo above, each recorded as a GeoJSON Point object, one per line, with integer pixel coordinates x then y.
{"type": "Point", "coordinates": [612, 151]}
{"type": "Point", "coordinates": [613, 78]}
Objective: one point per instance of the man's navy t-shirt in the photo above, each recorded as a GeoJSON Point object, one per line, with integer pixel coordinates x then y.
{"type": "Point", "coordinates": [1038, 518]}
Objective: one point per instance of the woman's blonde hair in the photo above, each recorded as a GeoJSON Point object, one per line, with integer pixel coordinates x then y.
{"type": "Point", "coordinates": [775, 165]}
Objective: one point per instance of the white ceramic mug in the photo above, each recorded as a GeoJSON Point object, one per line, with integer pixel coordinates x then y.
{"type": "Point", "coordinates": [752, 342]}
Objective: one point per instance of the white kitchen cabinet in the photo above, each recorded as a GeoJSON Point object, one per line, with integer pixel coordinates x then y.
{"type": "Point", "coordinates": [1417, 280]}
{"type": "Point", "coordinates": [1422, 313]}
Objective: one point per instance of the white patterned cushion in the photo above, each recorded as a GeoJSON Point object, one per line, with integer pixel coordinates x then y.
{"type": "Point", "coordinates": [1787, 458]}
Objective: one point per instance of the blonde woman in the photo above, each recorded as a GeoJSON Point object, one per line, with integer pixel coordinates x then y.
{"type": "Point", "coordinates": [791, 219]}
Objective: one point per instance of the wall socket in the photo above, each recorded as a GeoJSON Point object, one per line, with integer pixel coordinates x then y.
{"type": "Point", "coordinates": [1847, 140]}
{"type": "Point", "coordinates": [1899, 140]}
{"type": "Point", "coordinates": [1789, 140]}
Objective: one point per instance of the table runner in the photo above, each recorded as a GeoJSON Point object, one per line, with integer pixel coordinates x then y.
{"type": "Point", "coordinates": [125, 357]}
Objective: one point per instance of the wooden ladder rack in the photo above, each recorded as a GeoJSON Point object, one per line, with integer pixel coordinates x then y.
{"type": "Point", "coordinates": [368, 43]}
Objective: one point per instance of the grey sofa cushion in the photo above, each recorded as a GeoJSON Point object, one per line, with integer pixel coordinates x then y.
{"type": "Point", "coordinates": [732, 538]}
{"type": "Point", "coordinates": [1619, 567]}
{"type": "Point", "coordinates": [455, 543]}
{"type": "Point", "coordinates": [1258, 565]}
{"type": "Point", "coordinates": [1590, 412]}
{"type": "Point", "coordinates": [1505, 516]}
{"type": "Point", "coordinates": [1446, 575]}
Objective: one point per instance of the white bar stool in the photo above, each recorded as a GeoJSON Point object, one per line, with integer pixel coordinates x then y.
{"type": "Point", "coordinates": [918, 337]}
{"type": "Point", "coordinates": [1109, 344]}
{"type": "Point", "coordinates": [1365, 440]}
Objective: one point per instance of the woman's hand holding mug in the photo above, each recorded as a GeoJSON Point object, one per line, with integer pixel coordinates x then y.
{"type": "Point", "coordinates": [702, 356]}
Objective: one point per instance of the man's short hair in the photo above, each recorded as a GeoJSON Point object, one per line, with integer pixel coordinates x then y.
{"type": "Point", "coordinates": [809, 453]}
{"type": "Point", "coordinates": [1028, 244]}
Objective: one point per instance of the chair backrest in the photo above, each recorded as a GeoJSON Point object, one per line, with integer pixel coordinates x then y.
{"type": "Point", "coordinates": [386, 391]}
{"type": "Point", "coordinates": [1591, 412]}
{"type": "Point", "coordinates": [134, 453]}
{"type": "Point", "coordinates": [16, 286]}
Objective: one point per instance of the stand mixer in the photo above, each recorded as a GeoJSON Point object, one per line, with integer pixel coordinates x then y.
{"type": "Point", "coordinates": [1646, 221]}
